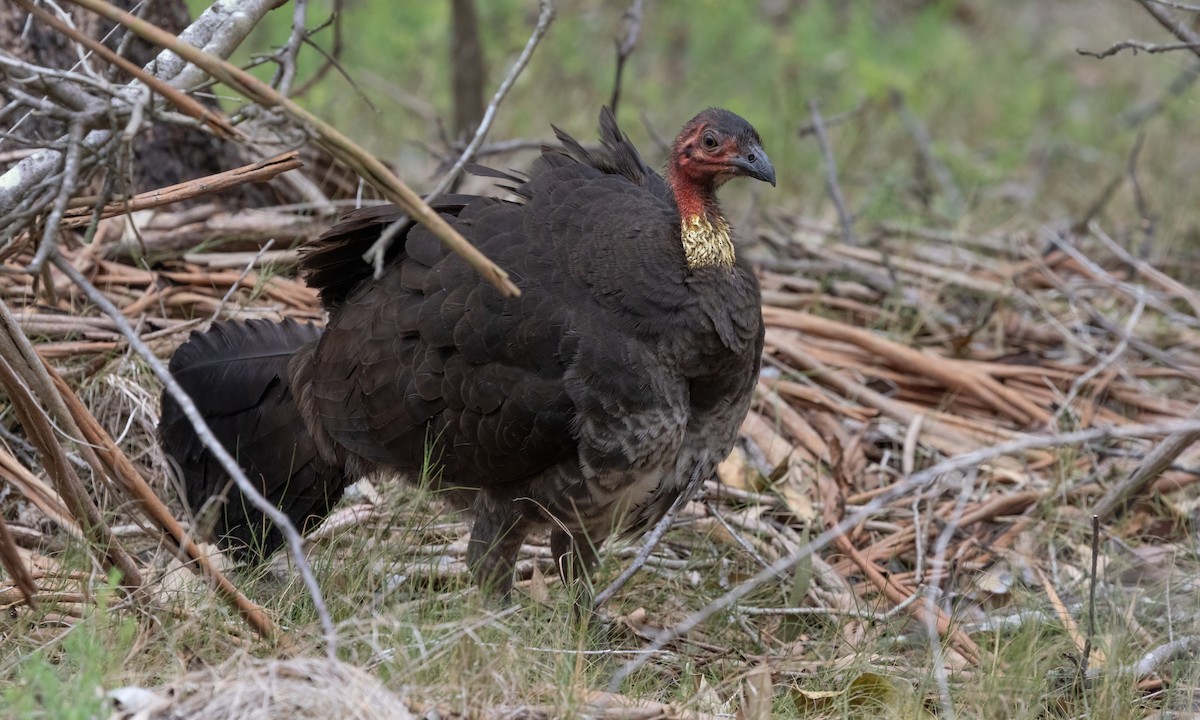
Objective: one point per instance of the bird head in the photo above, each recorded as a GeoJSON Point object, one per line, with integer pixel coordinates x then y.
{"type": "Point", "coordinates": [711, 149]}
{"type": "Point", "coordinates": [714, 147]}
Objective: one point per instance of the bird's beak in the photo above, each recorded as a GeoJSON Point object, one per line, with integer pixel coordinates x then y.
{"type": "Point", "coordinates": [755, 163]}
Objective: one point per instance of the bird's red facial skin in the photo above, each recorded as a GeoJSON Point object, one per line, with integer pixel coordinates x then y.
{"type": "Point", "coordinates": [696, 169]}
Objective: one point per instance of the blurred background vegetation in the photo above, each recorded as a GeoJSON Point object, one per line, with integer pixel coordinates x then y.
{"type": "Point", "coordinates": [1030, 130]}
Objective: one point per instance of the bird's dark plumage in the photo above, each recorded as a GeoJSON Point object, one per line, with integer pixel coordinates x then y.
{"type": "Point", "coordinates": [608, 388]}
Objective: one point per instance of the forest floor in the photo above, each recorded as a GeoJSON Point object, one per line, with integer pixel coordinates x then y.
{"type": "Point", "coordinates": [972, 381]}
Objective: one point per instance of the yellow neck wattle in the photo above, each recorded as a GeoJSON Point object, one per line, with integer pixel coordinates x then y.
{"type": "Point", "coordinates": [706, 243]}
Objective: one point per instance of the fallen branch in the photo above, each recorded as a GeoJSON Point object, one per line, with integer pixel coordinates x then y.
{"type": "Point", "coordinates": [219, 30]}
{"type": "Point", "coordinates": [120, 468]}
{"type": "Point", "coordinates": [228, 464]}
{"type": "Point", "coordinates": [260, 171]}
{"type": "Point", "coordinates": [332, 140]}
{"type": "Point", "coordinates": [898, 490]}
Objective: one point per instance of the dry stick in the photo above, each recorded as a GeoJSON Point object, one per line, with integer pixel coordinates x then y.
{"type": "Point", "coordinates": [260, 171]}
{"type": "Point", "coordinates": [286, 74]}
{"type": "Point", "coordinates": [22, 376]}
{"type": "Point", "coordinates": [70, 488]}
{"type": "Point", "coordinates": [11, 561]}
{"type": "Point", "coordinates": [238, 282]}
{"type": "Point", "coordinates": [119, 467]}
{"type": "Point", "coordinates": [947, 439]}
{"type": "Point", "coordinates": [1180, 649]}
{"type": "Point", "coordinates": [831, 178]}
{"type": "Point", "coordinates": [70, 176]}
{"type": "Point", "coordinates": [216, 122]}
{"type": "Point", "coordinates": [1138, 46]}
{"type": "Point", "coordinates": [331, 56]}
{"type": "Point", "coordinates": [1093, 271]}
{"type": "Point", "coordinates": [37, 492]}
{"type": "Point", "coordinates": [933, 614]}
{"type": "Point", "coordinates": [1113, 355]}
{"type": "Point", "coordinates": [920, 134]}
{"type": "Point", "coordinates": [336, 143]}
{"type": "Point", "coordinates": [228, 464]}
{"type": "Point", "coordinates": [898, 595]}
{"type": "Point", "coordinates": [632, 18]}
{"type": "Point", "coordinates": [1119, 496]}
{"type": "Point", "coordinates": [1146, 270]}
{"type": "Point", "coordinates": [1092, 581]}
{"type": "Point", "coordinates": [1167, 19]}
{"type": "Point", "coordinates": [896, 491]}
{"type": "Point", "coordinates": [652, 540]}
{"type": "Point", "coordinates": [219, 29]}
{"type": "Point", "coordinates": [375, 254]}
{"type": "Point", "coordinates": [956, 375]}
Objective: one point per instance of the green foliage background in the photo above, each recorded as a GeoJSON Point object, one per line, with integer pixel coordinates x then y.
{"type": "Point", "coordinates": [1030, 129]}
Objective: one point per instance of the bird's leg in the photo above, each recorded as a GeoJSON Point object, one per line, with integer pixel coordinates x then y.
{"type": "Point", "coordinates": [575, 556]}
{"type": "Point", "coordinates": [496, 537]}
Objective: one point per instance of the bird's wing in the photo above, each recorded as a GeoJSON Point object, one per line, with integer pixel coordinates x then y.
{"type": "Point", "coordinates": [431, 356]}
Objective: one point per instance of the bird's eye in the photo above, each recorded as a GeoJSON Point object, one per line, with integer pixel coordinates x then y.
{"type": "Point", "coordinates": [710, 142]}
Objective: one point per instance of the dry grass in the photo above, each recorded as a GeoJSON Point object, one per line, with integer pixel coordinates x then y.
{"type": "Point", "coordinates": [974, 591]}
{"type": "Point", "coordinates": [977, 340]}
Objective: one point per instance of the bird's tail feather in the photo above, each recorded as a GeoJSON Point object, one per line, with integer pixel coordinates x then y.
{"type": "Point", "coordinates": [237, 375]}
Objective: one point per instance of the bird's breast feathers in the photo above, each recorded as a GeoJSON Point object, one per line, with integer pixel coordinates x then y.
{"type": "Point", "coordinates": [706, 243]}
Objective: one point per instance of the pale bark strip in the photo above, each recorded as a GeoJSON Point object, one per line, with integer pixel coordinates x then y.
{"type": "Point", "coordinates": [218, 31]}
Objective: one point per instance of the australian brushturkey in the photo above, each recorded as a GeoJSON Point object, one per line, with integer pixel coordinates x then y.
{"type": "Point", "coordinates": [615, 382]}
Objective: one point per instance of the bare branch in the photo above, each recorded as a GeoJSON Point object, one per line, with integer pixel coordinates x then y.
{"type": "Point", "coordinates": [1137, 46]}
{"type": "Point", "coordinates": [831, 178]}
{"type": "Point", "coordinates": [330, 138]}
{"type": "Point", "coordinates": [632, 18]}
{"type": "Point", "coordinates": [375, 255]}
{"type": "Point", "coordinates": [287, 71]}
{"type": "Point", "coordinates": [214, 446]}
{"type": "Point", "coordinates": [1158, 460]}
{"type": "Point", "coordinates": [894, 492]}
{"type": "Point", "coordinates": [1179, 5]}
{"type": "Point", "coordinates": [1167, 19]}
{"type": "Point", "coordinates": [218, 30]}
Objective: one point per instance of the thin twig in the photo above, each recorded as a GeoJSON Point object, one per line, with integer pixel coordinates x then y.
{"type": "Point", "coordinates": [10, 560]}
{"type": "Point", "coordinates": [287, 57]}
{"type": "Point", "coordinates": [26, 382]}
{"type": "Point", "coordinates": [1119, 496]}
{"type": "Point", "coordinates": [632, 19]}
{"type": "Point", "coordinates": [118, 466]}
{"type": "Point", "coordinates": [257, 172]}
{"type": "Point", "coordinates": [1092, 582]}
{"type": "Point", "coordinates": [330, 138]}
{"type": "Point", "coordinates": [219, 30]}
{"type": "Point", "coordinates": [1137, 46]}
{"type": "Point", "coordinates": [238, 283]}
{"type": "Point", "coordinates": [378, 250]}
{"type": "Point", "coordinates": [937, 570]}
{"type": "Point", "coordinates": [331, 56]}
{"type": "Point", "coordinates": [1111, 357]}
{"type": "Point", "coordinates": [211, 117]}
{"type": "Point", "coordinates": [214, 446]}
{"type": "Point", "coordinates": [70, 177]}
{"type": "Point", "coordinates": [831, 177]}
{"type": "Point", "coordinates": [894, 492]}
{"type": "Point", "coordinates": [648, 545]}
{"type": "Point", "coordinates": [1187, 37]}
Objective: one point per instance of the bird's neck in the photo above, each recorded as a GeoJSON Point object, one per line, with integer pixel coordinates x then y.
{"type": "Point", "coordinates": [702, 228]}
